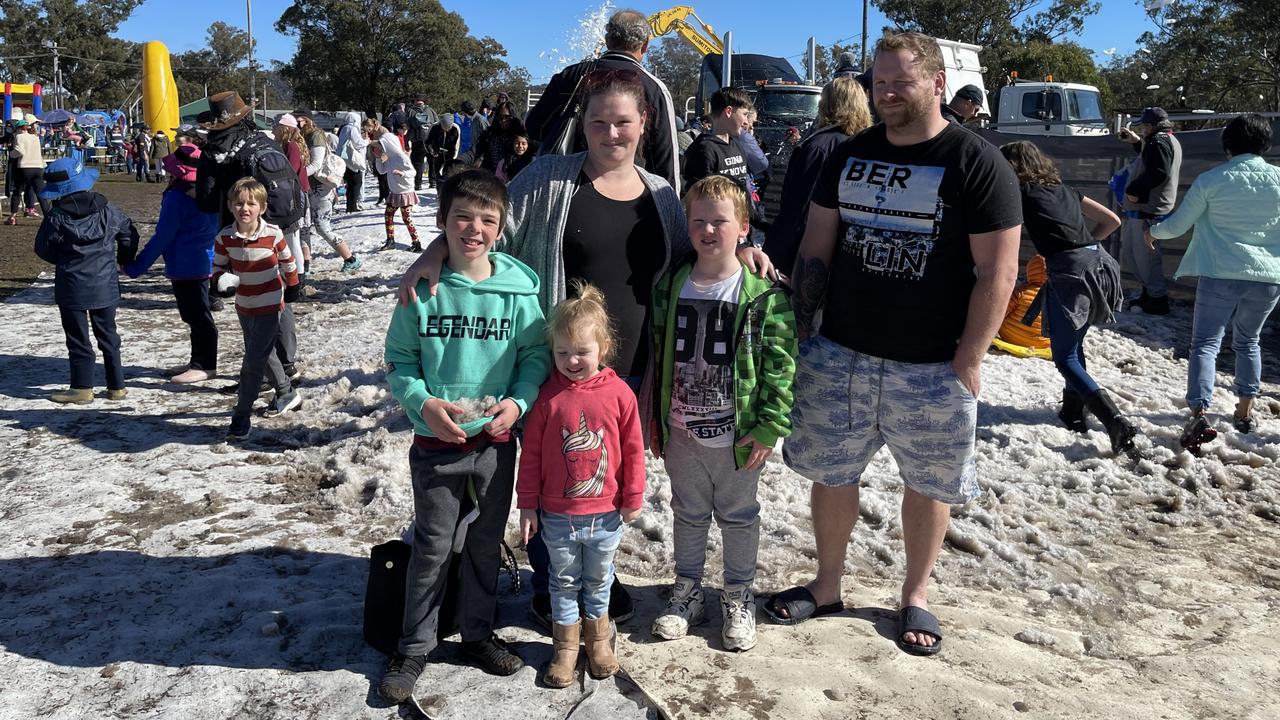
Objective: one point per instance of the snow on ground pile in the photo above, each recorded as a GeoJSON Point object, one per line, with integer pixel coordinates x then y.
{"type": "Point", "coordinates": [149, 570]}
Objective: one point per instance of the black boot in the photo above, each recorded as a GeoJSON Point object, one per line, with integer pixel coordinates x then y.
{"type": "Point", "coordinates": [1119, 429]}
{"type": "Point", "coordinates": [1072, 412]}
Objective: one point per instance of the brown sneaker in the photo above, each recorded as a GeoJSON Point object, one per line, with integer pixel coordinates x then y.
{"type": "Point", "coordinates": [117, 394]}
{"type": "Point", "coordinates": [75, 396]}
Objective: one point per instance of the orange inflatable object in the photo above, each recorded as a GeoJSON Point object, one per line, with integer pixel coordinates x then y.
{"type": "Point", "coordinates": [1012, 330]}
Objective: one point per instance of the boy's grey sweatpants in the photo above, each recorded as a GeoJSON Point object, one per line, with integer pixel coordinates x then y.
{"type": "Point", "coordinates": [260, 333]}
{"type": "Point", "coordinates": [705, 484]}
{"type": "Point", "coordinates": [440, 501]}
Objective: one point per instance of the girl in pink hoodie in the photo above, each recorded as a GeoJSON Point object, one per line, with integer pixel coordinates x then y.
{"type": "Point", "coordinates": [581, 478]}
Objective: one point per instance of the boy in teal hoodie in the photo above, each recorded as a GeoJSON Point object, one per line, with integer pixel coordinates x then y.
{"type": "Point", "coordinates": [465, 365]}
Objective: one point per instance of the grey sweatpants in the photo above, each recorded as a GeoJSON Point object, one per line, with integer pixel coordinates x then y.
{"type": "Point", "coordinates": [1146, 264]}
{"type": "Point", "coordinates": [705, 484]}
{"type": "Point", "coordinates": [439, 501]}
{"type": "Point", "coordinates": [321, 208]}
{"type": "Point", "coordinates": [260, 333]}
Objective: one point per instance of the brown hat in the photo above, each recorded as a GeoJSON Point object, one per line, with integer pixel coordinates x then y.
{"type": "Point", "coordinates": [226, 109]}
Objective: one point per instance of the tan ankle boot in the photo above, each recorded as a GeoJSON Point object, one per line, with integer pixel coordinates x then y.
{"type": "Point", "coordinates": [601, 661]}
{"type": "Point", "coordinates": [560, 673]}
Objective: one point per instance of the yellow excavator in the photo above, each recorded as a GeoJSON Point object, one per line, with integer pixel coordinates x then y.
{"type": "Point", "coordinates": [676, 20]}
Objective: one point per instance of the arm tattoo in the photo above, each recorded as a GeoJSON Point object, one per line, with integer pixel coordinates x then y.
{"type": "Point", "coordinates": [809, 289]}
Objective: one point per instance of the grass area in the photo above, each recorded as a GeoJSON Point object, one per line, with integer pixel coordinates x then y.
{"type": "Point", "coordinates": [19, 266]}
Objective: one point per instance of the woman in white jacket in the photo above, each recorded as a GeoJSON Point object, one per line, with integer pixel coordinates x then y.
{"type": "Point", "coordinates": [352, 145]}
{"type": "Point", "coordinates": [391, 159]}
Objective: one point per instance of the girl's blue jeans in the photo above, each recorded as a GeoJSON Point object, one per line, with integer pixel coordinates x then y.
{"type": "Point", "coordinates": [581, 549]}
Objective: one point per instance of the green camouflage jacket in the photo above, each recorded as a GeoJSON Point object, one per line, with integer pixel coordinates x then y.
{"type": "Point", "coordinates": [764, 364]}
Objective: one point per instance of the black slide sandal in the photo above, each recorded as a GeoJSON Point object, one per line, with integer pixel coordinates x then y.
{"type": "Point", "coordinates": [800, 606]}
{"type": "Point", "coordinates": [912, 619]}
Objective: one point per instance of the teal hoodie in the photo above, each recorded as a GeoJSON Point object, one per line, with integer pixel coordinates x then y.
{"type": "Point", "coordinates": [471, 340]}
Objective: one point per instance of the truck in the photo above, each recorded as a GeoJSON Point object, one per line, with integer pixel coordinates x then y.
{"type": "Point", "coordinates": [1018, 107]}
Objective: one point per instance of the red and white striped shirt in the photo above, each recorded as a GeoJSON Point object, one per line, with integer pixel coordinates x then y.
{"type": "Point", "coordinates": [262, 261]}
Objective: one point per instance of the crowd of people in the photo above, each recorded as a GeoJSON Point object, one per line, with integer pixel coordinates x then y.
{"type": "Point", "coordinates": [606, 297]}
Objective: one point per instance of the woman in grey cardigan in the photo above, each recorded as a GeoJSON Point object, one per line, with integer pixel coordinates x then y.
{"type": "Point", "coordinates": [598, 217]}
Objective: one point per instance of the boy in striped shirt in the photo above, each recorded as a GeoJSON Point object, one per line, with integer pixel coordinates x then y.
{"type": "Point", "coordinates": [252, 261]}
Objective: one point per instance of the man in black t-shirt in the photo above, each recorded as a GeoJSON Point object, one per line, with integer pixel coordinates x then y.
{"type": "Point", "coordinates": [911, 249]}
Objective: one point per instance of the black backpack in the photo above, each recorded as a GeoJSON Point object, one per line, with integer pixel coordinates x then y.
{"type": "Point", "coordinates": [270, 167]}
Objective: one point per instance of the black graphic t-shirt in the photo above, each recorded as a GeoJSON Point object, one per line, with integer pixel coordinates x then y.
{"type": "Point", "coordinates": [709, 155]}
{"type": "Point", "coordinates": [702, 388]}
{"type": "Point", "coordinates": [902, 272]}
{"type": "Point", "coordinates": [616, 245]}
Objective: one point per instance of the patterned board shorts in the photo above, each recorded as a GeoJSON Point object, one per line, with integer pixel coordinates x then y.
{"type": "Point", "coordinates": [848, 405]}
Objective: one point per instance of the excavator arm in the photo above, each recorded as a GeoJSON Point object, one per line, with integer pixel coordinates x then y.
{"type": "Point", "coordinates": [675, 20]}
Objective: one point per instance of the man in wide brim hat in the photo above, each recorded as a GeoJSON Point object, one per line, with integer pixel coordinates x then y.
{"type": "Point", "coordinates": [226, 109]}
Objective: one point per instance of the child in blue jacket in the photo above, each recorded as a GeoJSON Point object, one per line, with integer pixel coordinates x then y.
{"type": "Point", "coordinates": [184, 237]}
{"type": "Point", "coordinates": [86, 238]}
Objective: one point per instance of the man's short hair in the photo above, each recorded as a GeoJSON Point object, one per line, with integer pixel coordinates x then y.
{"type": "Point", "coordinates": [729, 97]}
{"type": "Point", "coordinates": [715, 188]}
{"type": "Point", "coordinates": [627, 31]}
{"type": "Point", "coordinates": [478, 186]}
{"type": "Point", "coordinates": [925, 47]}
{"type": "Point", "coordinates": [1247, 134]}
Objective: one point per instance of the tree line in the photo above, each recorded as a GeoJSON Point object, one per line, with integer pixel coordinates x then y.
{"type": "Point", "coordinates": [367, 54]}
{"type": "Point", "coordinates": [359, 54]}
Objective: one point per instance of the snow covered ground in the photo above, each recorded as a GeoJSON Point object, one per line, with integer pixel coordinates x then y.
{"type": "Point", "coordinates": [149, 570]}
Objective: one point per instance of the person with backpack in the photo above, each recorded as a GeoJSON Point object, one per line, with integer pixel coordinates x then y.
{"type": "Point", "coordinates": [442, 148]}
{"type": "Point", "coordinates": [421, 121]}
{"type": "Point", "coordinates": [235, 149]}
{"type": "Point", "coordinates": [325, 171]}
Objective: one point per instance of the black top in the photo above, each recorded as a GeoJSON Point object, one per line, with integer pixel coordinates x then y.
{"type": "Point", "coordinates": [616, 245]}
{"type": "Point", "coordinates": [1053, 219]}
{"type": "Point", "coordinates": [902, 272]}
{"type": "Point", "coordinates": [709, 155]}
{"type": "Point", "coordinates": [787, 230]}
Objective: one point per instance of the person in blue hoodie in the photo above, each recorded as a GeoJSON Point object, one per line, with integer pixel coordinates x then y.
{"type": "Point", "coordinates": [465, 364]}
{"type": "Point", "coordinates": [184, 237]}
{"type": "Point", "coordinates": [87, 239]}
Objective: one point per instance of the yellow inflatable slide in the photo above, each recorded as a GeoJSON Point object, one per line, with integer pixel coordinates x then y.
{"type": "Point", "coordinates": [159, 91]}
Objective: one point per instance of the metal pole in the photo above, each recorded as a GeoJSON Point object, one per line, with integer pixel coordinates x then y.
{"type": "Point", "coordinates": [253, 79]}
{"type": "Point", "coordinates": [864, 34]}
{"type": "Point", "coordinates": [57, 82]}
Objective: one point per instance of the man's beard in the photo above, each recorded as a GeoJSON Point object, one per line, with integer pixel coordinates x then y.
{"type": "Point", "coordinates": [906, 114]}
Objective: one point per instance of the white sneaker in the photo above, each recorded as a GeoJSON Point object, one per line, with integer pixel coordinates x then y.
{"type": "Point", "coordinates": [738, 611]}
{"type": "Point", "coordinates": [683, 609]}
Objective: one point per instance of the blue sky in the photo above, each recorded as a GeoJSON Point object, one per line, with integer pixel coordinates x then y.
{"type": "Point", "coordinates": [774, 28]}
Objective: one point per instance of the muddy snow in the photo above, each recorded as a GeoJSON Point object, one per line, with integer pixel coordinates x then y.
{"type": "Point", "coordinates": [149, 570]}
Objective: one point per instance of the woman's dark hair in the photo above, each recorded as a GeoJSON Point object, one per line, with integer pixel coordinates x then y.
{"type": "Point", "coordinates": [1247, 134]}
{"type": "Point", "coordinates": [515, 127]}
{"type": "Point", "coordinates": [1031, 165]}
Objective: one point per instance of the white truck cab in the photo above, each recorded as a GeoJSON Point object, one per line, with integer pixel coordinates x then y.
{"type": "Point", "coordinates": [1054, 102]}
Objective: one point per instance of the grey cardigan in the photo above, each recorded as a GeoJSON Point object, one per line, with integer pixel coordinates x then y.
{"type": "Point", "coordinates": [540, 198]}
